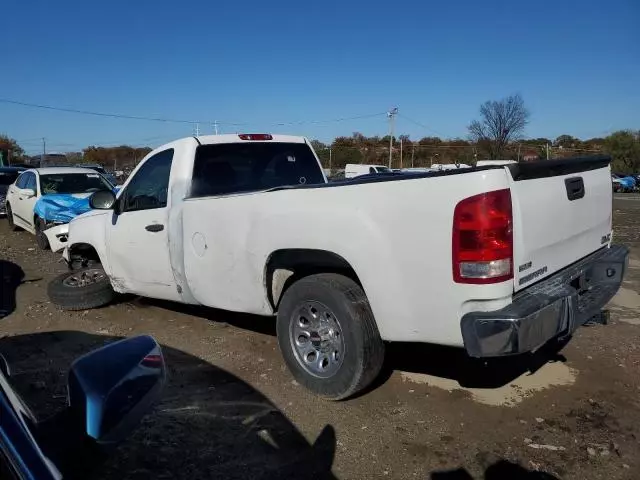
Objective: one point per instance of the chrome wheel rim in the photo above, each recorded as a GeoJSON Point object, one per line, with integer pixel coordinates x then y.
{"type": "Point", "coordinates": [84, 278]}
{"type": "Point", "coordinates": [316, 339]}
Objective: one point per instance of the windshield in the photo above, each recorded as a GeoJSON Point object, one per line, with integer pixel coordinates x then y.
{"type": "Point", "coordinates": [383, 169]}
{"type": "Point", "coordinates": [7, 178]}
{"type": "Point", "coordinates": [98, 168]}
{"type": "Point", "coordinates": [245, 167]}
{"type": "Point", "coordinates": [73, 183]}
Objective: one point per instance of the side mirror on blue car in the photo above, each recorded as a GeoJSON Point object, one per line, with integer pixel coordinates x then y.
{"type": "Point", "coordinates": [113, 387]}
{"type": "Point", "coordinates": [109, 391]}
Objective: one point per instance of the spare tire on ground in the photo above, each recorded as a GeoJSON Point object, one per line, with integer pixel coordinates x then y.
{"type": "Point", "coordinates": [81, 289]}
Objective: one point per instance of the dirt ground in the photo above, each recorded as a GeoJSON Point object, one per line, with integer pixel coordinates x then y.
{"type": "Point", "coordinates": [231, 410]}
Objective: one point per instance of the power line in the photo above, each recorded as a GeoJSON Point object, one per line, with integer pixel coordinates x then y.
{"type": "Point", "coordinates": [173, 120]}
{"type": "Point", "coordinates": [334, 120]}
{"type": "Point", "coordinates": [98, 114]}
{"type": "Point", "coordinates": [420, 124]}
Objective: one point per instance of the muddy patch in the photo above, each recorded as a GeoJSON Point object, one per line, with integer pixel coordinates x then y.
{"type": "Point", "coordinates": [554, 374]}
{"type": "Point", "coordinates": [626, 303]}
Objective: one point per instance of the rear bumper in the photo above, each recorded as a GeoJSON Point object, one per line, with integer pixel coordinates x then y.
{"type": "Point", "coordinates": [554, 307]}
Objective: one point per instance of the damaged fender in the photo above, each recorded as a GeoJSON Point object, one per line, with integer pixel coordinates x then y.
{"type": "Point", "coordinates": [58, 237]}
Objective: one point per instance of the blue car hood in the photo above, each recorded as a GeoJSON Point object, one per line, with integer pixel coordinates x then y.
{"type": "Point", "coordinates": [63, 207]}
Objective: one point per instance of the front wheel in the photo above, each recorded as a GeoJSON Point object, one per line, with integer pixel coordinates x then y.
{"type": "Point", "coordinates": [41, 237]}
{"type": "Point", "coordinates": [328, 336]}
{"type": "Point", "coordinates": [12, 224]}
{"type": "Point", "coordinates": [81, 289]}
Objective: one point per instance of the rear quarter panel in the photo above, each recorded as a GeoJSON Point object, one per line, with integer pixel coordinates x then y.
{"type": "Point", "coordinates": [395, 234]}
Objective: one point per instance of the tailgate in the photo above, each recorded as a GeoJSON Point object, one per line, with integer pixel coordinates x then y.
{"type": "Point", "coordinates": [561, 213]}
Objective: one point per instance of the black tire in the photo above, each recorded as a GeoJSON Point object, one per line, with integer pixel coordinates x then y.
{"type": "Point", "coordinates": [81, 297]}
{"type": "Point", "coordinates": [363, 347]}
{"type": "Point", "coordinates": [12, 226]}
{"type": "Point", "coordinates": [41, 238]}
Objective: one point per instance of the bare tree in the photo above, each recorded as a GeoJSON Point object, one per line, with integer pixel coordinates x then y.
{"type": "Point", "coordinates": [501, 122]}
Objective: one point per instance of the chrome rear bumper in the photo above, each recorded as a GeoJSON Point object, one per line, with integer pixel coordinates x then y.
{"type": "Point", "coordinates": [555, 307]}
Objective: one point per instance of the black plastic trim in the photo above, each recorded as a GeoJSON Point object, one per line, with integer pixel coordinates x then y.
{"type": "Point", "coordinates": [554, 168]}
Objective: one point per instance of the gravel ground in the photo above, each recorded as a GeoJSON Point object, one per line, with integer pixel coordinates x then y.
{"type": "Point", "coordinates": [231, 410]}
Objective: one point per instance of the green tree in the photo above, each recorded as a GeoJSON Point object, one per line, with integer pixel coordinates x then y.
{"type": "Point", "coordinates": [10, 151]}
{"type": "Point", "coordinates": [567, 141]}
{"type": "Point", "coordinates": [624, 148]}
{"type": "Point", "coordinates": [501, 122]}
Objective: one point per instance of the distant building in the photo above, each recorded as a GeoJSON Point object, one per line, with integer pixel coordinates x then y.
{"type": "Point", "coordinates": [48, 159]}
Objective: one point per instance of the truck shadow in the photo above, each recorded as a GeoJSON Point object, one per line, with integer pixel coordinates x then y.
{"type": "Point", "coordinates": [11, 276]}
{"type": "Point", "coordinates": [455, 364]}
{"type": "Point", "coordinates": [208, 423]}
{"type": "Point", "coordinates": [501, 470]}
{"type": "Point", "coordinates": [436, 360]}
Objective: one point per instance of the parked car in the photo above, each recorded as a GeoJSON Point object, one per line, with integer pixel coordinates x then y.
{"type": "Point", "coordinates": [42, 198]}
{"type": "Point", "coordinates": [623, 183]}
{"type": "Point", "coordinates": [8, 176]}
{"type": "Point", "coordinates": [466, 257]}
{"type": "Point", "coordinates": [352, 170]}
{"type": "Point", "coordinates": [100, 169]}
{"type": "Point", "coordinates": [109, 391]}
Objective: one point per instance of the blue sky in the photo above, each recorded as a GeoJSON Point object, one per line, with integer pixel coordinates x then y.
{"type": "Point", "coordinates": [576, 64]}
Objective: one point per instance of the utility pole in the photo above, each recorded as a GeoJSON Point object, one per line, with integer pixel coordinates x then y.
{"type": "Point", "coordinates": [391, 114]}
{"type": "Point", "coordinates": [215, 126]}
{"type": "Point", "coordinates": [400, 152]}
{"type": "Point", "coordinates": [329, 158]}
{"type": "Point", "coordinates": [44, 152]}
{"type": "Point", "coordinates": [519, 145]}
{"type": "Point", "coordinates": [413, 152]}
{"type": "Point", "coordinates": [197, 129]}
{"type": "Point", "coordinates": [547, 147]}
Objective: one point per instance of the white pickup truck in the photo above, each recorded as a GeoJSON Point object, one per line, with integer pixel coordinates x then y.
{"type": "Point", "coordinates": [498, 260]}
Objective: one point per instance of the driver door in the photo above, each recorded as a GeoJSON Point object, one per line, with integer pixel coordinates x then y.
{"type": "Point", "coordinates": [138, 234]}
{"type": "Point", "coordinates": [23, 204]}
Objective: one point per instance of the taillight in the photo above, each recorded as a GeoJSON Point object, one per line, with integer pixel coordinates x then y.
{"type": "Point", "coordinates": [255, 136]}
{"type": "Point", "coordinates": [482, 240]}
{"type": "Point", "coordinates": [153, 360]}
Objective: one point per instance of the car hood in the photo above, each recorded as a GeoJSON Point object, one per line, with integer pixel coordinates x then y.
{"type": "Point", "coordinates": [62, 207]}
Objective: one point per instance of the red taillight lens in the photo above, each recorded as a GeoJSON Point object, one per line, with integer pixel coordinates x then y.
{"type": "Point", "coordinates": [482, 240]}
{"type": "Point", "coordinates": [153, 360]}
{"type": "Point", "coordinates": [255, 136]}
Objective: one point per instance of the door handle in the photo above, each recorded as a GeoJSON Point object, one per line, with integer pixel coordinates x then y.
{"type": "Point", "coordinates": [154, 227]}
{"type": "Point", "coordinates": [575, 188]}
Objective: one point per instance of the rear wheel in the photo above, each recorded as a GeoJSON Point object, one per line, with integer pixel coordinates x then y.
{"type": "Point", "coordinates": [81, 289]}
{"type": "Point", "coordinates": [328, 336]}
{"type": "Point", "coordinates": [41, 238]}
{"type": "Point", "coordinates": [12, 225]}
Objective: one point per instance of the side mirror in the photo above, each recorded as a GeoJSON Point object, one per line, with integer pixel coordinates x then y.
{"type": "Point", "coordinates": [28, 192]}
{"type": "Point", "coordinates": [102, 200]}
{"type": "Point", "coordinates": [110, 389]}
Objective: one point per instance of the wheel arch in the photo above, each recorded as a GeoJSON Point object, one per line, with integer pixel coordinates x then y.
{"type": "Point", "coordinates": [82, 255]}
{"type": "Point", "coordinates": [285, 266]}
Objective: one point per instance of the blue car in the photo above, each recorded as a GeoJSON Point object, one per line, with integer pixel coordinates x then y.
{"type": "Point", "coordinates": [109, 391]}
{"type": "Point", "coordinates": [623, 183]}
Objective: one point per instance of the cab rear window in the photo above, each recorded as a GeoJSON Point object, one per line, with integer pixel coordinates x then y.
{"type": "Point", "coordinates": [222, 169]}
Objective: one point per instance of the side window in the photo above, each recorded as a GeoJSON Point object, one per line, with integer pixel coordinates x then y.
{"type": "Point", "coordinates": [31, 182]}
{"type": "Point", "coordinates": [21, 182]}
{"type": "Point", "coordinates": [149, 187]}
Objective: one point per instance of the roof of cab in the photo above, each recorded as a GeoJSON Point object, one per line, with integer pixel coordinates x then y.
{"type": "Point", "coordinates": [235, 138]}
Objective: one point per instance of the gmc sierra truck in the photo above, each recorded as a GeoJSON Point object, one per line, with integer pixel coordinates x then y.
{"type": "Point", "coordinates": [497, 260]}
